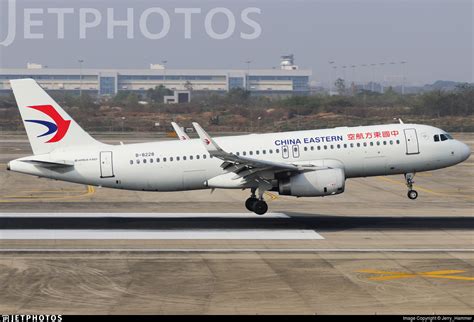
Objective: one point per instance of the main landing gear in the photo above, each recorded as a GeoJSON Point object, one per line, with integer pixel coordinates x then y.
{"type": "Point", "coordinates": [412, 194]}
{"type": "Point", "coordinates": [256, 205]}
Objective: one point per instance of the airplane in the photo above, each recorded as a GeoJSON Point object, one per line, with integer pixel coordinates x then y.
{"type": "Point", "coordinates": [312, 163]}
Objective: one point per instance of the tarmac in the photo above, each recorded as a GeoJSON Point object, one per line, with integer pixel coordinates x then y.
{"type": "Point", "coordinates": [73, 249]}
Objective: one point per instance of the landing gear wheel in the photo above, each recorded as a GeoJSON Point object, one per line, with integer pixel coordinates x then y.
{"type": "Point", "coordinates": [260, 207]}
{"type": "Point", "coordinates": [412, 194]}
{"type": "Point", "coordinates": [249, 203]}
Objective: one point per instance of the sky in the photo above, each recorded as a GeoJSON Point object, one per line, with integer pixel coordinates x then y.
{"type": "Point", "coordinates": [434, 37]}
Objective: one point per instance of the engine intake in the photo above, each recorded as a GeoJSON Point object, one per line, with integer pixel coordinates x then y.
{"type": "Point", "coordinates": [314, 184]}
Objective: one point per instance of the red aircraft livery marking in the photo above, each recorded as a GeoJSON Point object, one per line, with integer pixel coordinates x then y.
{"type": "Point", "coordinates": [372, 135]}
{"type": "Point", "coordinates": [62, 124]}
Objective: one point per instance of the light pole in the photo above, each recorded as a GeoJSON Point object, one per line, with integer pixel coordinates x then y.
{"type": "Point", "coordinates": [330, 78]}
{"type": "Point", "coordinates": [353, 78]}
{"type": "Point", "coordinates": [362, 77]}
{"type": "Point", "coordinates": [382, 77]}
{"type": "Point", "coordinates": [80, 75]}
{"type": "Point", "coordinates": [403, 76]}
{"type": "Point", "coordinates": [164, 72]}
{"type": "Point", "coordinates": [373, 77]}
{"type": "Point", "coordinates": [123, 121]}
{"type": "Point", "coordinates": [247, 78]}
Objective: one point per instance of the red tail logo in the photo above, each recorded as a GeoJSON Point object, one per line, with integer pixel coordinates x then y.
{"type": "Point", "coordinates": [60, 125]}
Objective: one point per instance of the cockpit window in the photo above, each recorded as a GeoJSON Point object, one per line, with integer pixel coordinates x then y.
{"type": "Point", "coordinates": [449, 136]}
{"type": "Point", "coordinates": [436, 138]}
{"type": "Point", "coordinates": [443, 137]}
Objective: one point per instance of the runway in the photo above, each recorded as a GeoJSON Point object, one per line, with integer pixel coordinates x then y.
{"type": "Point", "coordinates": [75, 249]}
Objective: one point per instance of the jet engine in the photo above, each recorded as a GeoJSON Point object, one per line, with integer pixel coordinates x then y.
{"type": "Point", "coordinates": [313, 184]}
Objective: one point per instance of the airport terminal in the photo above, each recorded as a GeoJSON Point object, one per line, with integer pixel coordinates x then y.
{"type": "Point", "coordinates": [287, 78]}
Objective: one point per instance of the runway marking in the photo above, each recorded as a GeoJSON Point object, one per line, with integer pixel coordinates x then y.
{"type": "Point", "coordinates": [237, 250]}
{"type": "Point", "coordinates": [233, 215]}
{"type": "Point", "coordinates": [444, 274]}
{"type": "Point", "coordinates": [271, 195]}
{"type": "Point", "coordinates": [178, 234]}
{"type": "Point", "coordinates": [12, 199]}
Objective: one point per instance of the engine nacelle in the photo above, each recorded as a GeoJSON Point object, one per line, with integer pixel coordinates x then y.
{"type": "Point", "coordinates": [314, 184]}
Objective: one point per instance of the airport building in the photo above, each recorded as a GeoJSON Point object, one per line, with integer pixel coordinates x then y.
{"type": "Point", "coordinates": [287, 79]}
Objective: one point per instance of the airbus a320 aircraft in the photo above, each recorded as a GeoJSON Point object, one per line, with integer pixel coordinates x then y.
{"type": "Point", "coordinates": [302, 163]}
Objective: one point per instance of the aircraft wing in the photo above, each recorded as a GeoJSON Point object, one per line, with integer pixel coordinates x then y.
{"type": "Point", "coordinates": [243, 166]}
{"type": "Point", "coordinates": [179, 132]}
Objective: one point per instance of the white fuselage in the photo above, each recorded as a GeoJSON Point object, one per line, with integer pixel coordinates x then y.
{"type": "Point", "coordinates": [186, 165]}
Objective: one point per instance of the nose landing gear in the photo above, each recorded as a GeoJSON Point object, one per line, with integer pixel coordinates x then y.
{"type": "Point", "coordinates": [412, 194]}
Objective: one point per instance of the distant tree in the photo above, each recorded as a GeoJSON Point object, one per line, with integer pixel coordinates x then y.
{"type": "Point", "coordinates": [120, 98]}
{"type": "Point", "coordinates": [158, 93]}
{"type": "Point", "coordinates": [238, 95]}
{"type": "Point", "coordinates": [86, 101]}
{"type": "Point", "coordinates": [132, 100]}
{"type": "Point", "coordinates": [340, 86]}
{"type": "Point", "coordinates": [188, 85]}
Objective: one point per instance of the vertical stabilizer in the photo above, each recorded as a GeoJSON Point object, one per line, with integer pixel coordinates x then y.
{"type": "Point", "coordinates": [48, 126]}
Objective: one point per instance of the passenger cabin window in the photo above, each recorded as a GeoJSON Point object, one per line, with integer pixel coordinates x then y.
{"type": "Point", "coordinates": [436, 138]}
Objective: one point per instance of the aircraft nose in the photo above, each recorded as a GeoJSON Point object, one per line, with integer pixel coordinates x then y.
{"type": "Point", "coordinates": [464, 152]}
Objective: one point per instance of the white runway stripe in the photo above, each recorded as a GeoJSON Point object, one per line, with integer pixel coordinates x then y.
{"type": "Point", "coordinates": [28, 234]}
{"type": "Point", "coordinates": [141, 215]}
{"type": "Point", "coordinates": [239, 250]}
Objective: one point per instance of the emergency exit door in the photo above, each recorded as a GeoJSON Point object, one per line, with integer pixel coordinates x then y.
{"type": "Point", "coordinates": [106, 164]}
{"type": "Point", "coordinates": [411, 140]}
